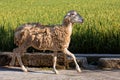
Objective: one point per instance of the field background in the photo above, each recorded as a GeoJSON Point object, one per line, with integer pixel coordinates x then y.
{"type": "Point", "coordinates": [100, 32]}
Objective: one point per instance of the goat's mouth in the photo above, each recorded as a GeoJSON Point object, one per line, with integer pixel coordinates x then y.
{"type": "Point", "coordinates": [77, 21]}
{"type": "Point", "coordinates": [80, 21]}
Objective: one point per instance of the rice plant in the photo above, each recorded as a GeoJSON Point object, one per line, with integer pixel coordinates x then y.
{"type": "Point", "coordinates": [100, 32]}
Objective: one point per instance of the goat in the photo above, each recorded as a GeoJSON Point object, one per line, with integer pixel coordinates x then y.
{"type": "Point", "coordinates": [44, 37]}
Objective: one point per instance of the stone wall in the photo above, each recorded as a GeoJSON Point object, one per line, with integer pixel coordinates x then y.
{"type": "Point", "coordinates": [63, 62]}
{"type": "Point", "coordinates": [35, 60]}
{"type": "Point", "coordinates": [109, 63]}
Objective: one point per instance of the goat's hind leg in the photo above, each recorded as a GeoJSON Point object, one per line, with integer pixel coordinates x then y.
{"type": "Point", "coordinates": [54, 62]}
{"type": "Point", "coordinates": [21, 63]}
{"type": "Point", "coordinates": [13, 57]}
{"type": "Point", "coordinates": [18, 51]}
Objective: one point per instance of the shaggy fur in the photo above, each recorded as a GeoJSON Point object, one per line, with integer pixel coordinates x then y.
{"type": "Point", "coordinates": [45, 37]}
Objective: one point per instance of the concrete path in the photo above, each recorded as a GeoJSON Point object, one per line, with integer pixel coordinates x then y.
{"type": "Point", "coordinates": [38, 74]}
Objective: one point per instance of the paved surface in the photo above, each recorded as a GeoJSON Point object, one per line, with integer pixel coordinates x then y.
{"type": "Point", "coordinates": [97, 55]}
{"type": "Point", "coordinates": [38, 74]}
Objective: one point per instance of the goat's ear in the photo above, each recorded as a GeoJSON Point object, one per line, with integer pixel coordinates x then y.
{"type": "Point", "coordinates": [66, 20]}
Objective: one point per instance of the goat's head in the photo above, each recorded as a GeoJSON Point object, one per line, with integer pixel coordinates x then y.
{"type": "Point", "coordinates": [73, 17]}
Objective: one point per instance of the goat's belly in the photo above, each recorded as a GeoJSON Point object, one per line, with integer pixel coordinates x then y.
{"type": "Point", "coordinates": [49, 46]}
{"type": "Point", "coordinates": [43, 46]}
{"type": "Point", "coordinates": [45, 42]}
{"type": "Point", "coordinates": [42, 43]}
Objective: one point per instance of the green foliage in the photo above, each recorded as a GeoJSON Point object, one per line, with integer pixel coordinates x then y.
{"type": "Point", "coordinates": [100, 32]}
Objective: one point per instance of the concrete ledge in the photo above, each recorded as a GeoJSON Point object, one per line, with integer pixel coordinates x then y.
{"type": "Point", "coordinates": [82, 62]}
{"type": "Point", "coordinates": [4, 59]}
{"type": "Point", "coordinates": [35, 60]}
{"type": "Point", "coordinates": [111, 63]}
{"type": "Point", "coordinates": [63, 62]}
{"type": "Point", "coordinates": [98, 55]}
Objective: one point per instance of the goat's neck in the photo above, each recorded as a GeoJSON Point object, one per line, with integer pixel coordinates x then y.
{"type": "Point", "coordinates": [68, 28]}
{"type": "Point", "coordinates": [67, 25]}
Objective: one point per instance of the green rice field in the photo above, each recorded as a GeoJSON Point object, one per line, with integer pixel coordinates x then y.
{"type": "Point", "coordinates": [100, 32]}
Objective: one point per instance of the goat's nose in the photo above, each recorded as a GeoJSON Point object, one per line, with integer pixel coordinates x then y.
{"type": "Point", "coordinates": [82, 20]}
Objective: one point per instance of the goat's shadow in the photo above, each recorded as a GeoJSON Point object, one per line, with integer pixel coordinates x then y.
{"type": "Point", "coordinates": [4, 68]}
{"type": "Point", "coordinates": [42, 72]}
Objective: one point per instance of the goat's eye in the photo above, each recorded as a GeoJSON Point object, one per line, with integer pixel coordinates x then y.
{"type": "Point", "coordinates": [72, 14]}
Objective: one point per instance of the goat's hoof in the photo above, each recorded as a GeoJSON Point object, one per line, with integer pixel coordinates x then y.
{"type": "Point", "coordinates": [55, 71]}
{"type": "Point", "coordinates": [25, 70]}
{"type": "Point", "coordinates": [79, 70]}
{"type": "Point", "coordinates": [11, 64]}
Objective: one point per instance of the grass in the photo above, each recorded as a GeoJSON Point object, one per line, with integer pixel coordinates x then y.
{"type": "Point", "coordinates": [100, 32]}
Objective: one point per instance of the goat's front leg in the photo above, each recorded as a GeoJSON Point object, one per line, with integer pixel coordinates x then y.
{"type": "Point", "coordinates": [66, 51]}
{"type": "Point", "coordinates": [54, 62]}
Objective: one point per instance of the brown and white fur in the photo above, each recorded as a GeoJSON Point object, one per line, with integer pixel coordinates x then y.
{"type": "Point", "coordinates": [44, 37]}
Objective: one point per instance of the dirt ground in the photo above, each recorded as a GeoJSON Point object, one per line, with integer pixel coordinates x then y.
{"type": "Point", "coordinates": [15, 73]}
